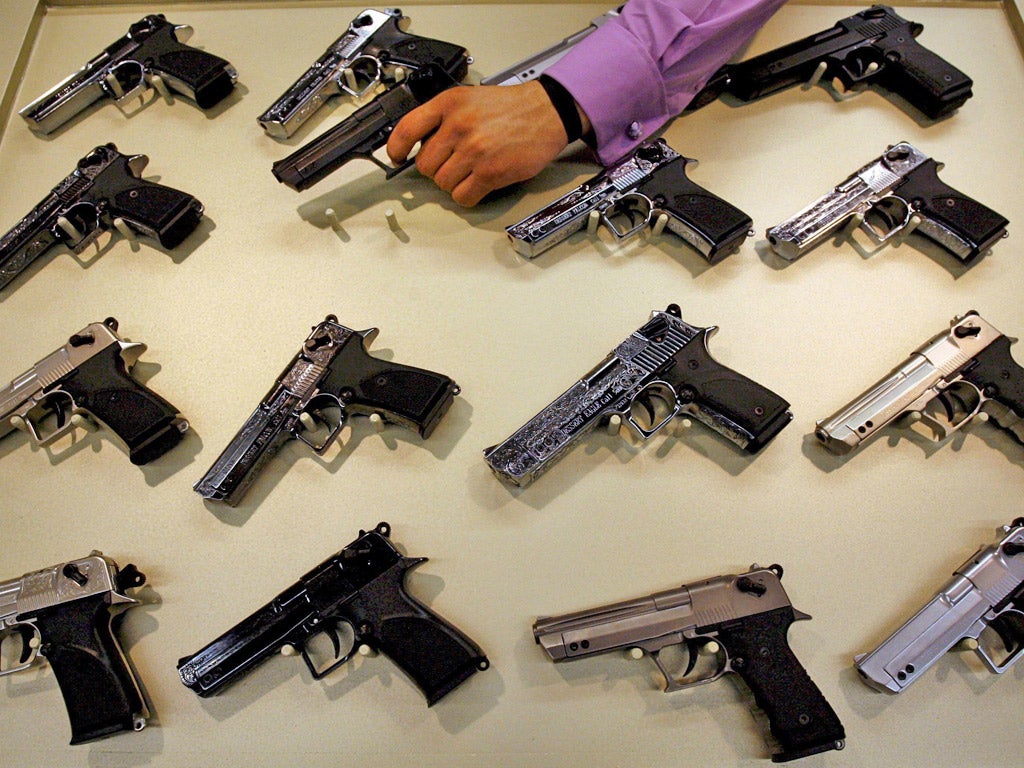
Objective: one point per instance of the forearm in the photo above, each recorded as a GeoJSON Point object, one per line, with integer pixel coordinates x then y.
{"type": "Point", "coordinates": [636, 72]}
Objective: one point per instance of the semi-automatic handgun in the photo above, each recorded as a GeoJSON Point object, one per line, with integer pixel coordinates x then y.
{"type": "Point", "coordinates": [356, 595]}
{"type": "Point", "coordinates": [534, 66]}
{"type": "Point", "coordinates": [375, 49]}
{"type": "Point", "coordinates": [899, 192]}
{"type": "Point", "coordinates": [90, 376]}
{"type": "Point", "coordinates": [368, 128]}
{"type": "Point", "coordinates": [662, 370]}
{"type": "Point", "coordinates": [106, 190]}
{"type": "Point", "coordinates": [152, 54]}
{"type": "Point", "coordinates": [331, 378]}
{"type": "Point", "coordinates": [874, 46]}
{"type": "Point", "coordinates": [63, 614]}
{"type": "Point", "coordinates": [743, 620]}
{"type": "Point", "coordinates": [649, 184]}
{"type": "Point", "coordinates": [981, 607]}
{"type": "Point", "coordinates": [942, 386]}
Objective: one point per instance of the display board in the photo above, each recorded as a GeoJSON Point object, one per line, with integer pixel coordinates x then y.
{"type": "Point", "coordinates": [864, 540]}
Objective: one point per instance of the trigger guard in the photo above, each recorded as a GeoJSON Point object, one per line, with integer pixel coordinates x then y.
{"type": "Point", "coordinates": [378, 71]}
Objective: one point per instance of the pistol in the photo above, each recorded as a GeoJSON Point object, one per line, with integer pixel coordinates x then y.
{"type": "Point", "coordinates": [90, 376]}
{"type": "Point", "coordinates": [899, 192]}
{"type": "Point", "coordinates": [942, 386]}
{"type": "Point", "coordinates": [980, 608]}
{"type": "Point", "coordinates": [330, 378]}
{"type": "Point", "coordinates": [873, 47]}
{"type": "Point", "coordinates": [648, 184]}
{"type": "Point", "coordinates": [152, 55]}
{"type": "Point", "coordinates": [356, 595]}
{"type": "Point", "coordinates": [375, 49]}
{"type": "Point", "coordinates": [534, 66]}
{"type": "Point", "coordinates": [662, 370]}
{"type": "Point", "coordinates": [368, 128]}
{"type": "Point", "coordinates": [64, 614]}
{"type": "Point", "coordinates": [106, 190]}
{"type": "Point", "coordinates": [743, 620]}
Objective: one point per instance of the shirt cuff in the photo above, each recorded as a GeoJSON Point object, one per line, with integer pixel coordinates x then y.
{"type": "Point", "coordinates": [627, 101]}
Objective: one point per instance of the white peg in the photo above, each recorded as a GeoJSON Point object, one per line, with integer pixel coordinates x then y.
{"type": "Point", "coordinates": [399, 74]}
{"type": "Point", "coordinates": [614, 424]}
{"type": "Point", "coordinates": [967, 644]}
{"type": "Point", "coordinates": [592, 221]}
{"type": "Point", "coordinates": [659, 225]}
{"type": "Point", "coordinates": [34, 642]}
{"type": "Point", "coordinates": [636, 653]}
{"type": "Point", "coordinates": [69, 229]}
{"type": "Point", "coordinates": [126, 232]}
{"type": "Point", "coordinates": [307, 421]}
{"type": "Point", "coordinates": [288, 650]}
{"type": "Point", "coordinates": [855, 221]}
{"type": "Point", "coordinates": [161, 88]}
{"type": "Point", "coordinates": [115, 87]}
{"type": "Point", "coordinates": [818, 74]}
{"type": "Point", "coordinates": [376, 422]}
{"type": "Point", "coordinates": [83, 421]}
{"type": "Point", "coordinates": [332, 218]}
{"type": "Point", "coordinates": [709, 648]}
{"type": "Point", "coordinates": [367, 651]}
{"type": "Point", "coordinates": [350, 78]}
{"type": "Point", "coordinates": [19, 423]}
{"type": "Point", "coordinates": [912, 224]}
{"type": "Point", "coordinates": [392, 220]}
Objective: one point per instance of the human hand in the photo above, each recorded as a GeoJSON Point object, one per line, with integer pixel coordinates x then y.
{"type": "Point", "coordinates": [481, 138]}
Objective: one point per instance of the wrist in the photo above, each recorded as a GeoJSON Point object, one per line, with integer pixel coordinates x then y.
{"type": "Point", "coordinates": [574, 119]}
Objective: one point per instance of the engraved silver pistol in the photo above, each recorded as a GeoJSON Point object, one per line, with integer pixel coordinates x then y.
{"type": "Point", "coordinates": [981, 608]}
{"type": "Point", "coordinates": [897, 192]}
{"type": "Point", "coordinates": [63, 613]}
{"type": "Point", "coordinates": [331, 378]}
{"type": "Point", "coordinates": [662, 370]}
{"type": "Point", "coordinates": [942, 386]}
{"type": "Point", "coordinates": [648, 185]}
{"type": "Point", "coordinates": [374, 49]}
{"type": "Point", "coordinates": [90, 375]}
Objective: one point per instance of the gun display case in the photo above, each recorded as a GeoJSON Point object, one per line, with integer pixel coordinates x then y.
{"type": "Point", "coordinates": [865, 539]}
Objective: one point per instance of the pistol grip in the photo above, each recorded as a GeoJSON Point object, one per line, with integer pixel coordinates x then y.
{"type": "Point", "coordinates": [148, 424]}
{"type": "Point", "coordinates": [800, 718]}
{"type": "Point", "coordinates": [700, 379]}
{"type": "Point", "coordinates": [951, 211]}
{"type": "Point", "coordinates": [167, 214]}
{"type": "Point", "coordinates": [414, 398]}
{"type": "Point", "coordinates": [99, 690]}
{"type": "Point", "coordinates": [707, 222]}
{"type": "Point", "coordinates": [998, 376]}
{"type": "Point", "coordinates": [207, 78]}
{"type": "Point", "coordinates": [926, 80]}
{"type": "Point", "coordinates": [436, 656]}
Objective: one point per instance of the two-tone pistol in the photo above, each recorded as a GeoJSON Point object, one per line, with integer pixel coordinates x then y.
{"type": "Point", "coordinates": [106, 190]}
{"type": "Point", "coordinates": [63, 613]}
{"type": "Point", "coordinates": [981, 607]}
{"type": "Point", "coordinates": [942, 386]}
{"type": "Point", "coordinates": [648, 185]}
{"type": "Point", "coordinates": [742, 620]}
{"type": "Point", "coordinates": [152, 54]}
{"type": "Point", "coordinates": [357, 595]}
{"type": "Point", "coordinates": [331, 378]}
{"type": "Point", "coordinates": [899, 192]}
{"type": "Point", "coordinates": [662, 370]}
{"type": "Point", "coordinates": [90, 376]}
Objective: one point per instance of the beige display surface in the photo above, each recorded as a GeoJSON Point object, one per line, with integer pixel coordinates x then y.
{"type": "Point", "coordinates": [864, 540]}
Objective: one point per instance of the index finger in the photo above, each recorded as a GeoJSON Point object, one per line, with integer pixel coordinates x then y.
{"type": "Point", "coordinates": [414, 127]}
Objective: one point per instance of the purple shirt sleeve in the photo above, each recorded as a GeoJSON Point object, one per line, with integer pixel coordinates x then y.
{"type": "Point", "coordinates": [638, 71]}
